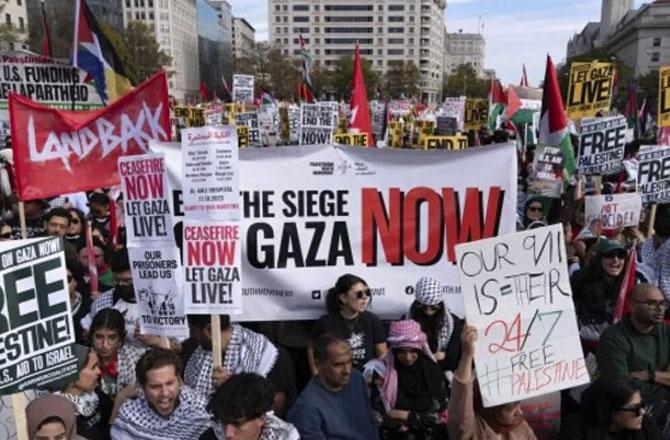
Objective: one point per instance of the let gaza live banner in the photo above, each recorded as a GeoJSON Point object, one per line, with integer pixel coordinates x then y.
{"type": "Point", "coordinates": [59, 152]}
{"type": "Point", "coordinates": [664, 97]}
{"type": "Point", "coordinates": [590, 90]}
{"type": "Point", "coordinates": [388, 216]}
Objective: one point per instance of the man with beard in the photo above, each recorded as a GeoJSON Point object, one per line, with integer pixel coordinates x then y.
{"type": "Point", "coordinates": [639, 347]}
{"type": "Point", "coordinates": [168, 410]}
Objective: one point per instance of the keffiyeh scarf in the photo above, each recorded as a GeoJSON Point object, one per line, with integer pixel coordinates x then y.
{"type": "Point", "coordinates": [274, 428]}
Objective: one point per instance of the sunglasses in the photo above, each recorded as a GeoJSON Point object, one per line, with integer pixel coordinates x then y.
{"type": "Point", "coordinates": [74, 221]}
{"type": "Point", "coordinates": [621, 255]}
{"type": "Point", "coordinates": [363, 294]}
{"type": "Point", "coordinates": [635, 409]}
{"type": "Point", "coordinates": [535, 208]}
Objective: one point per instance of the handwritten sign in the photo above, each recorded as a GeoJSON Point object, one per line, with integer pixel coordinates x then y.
{"type": "Point", "coordinates": [516, 291]}
{"type": "Point", "coordinates": [614, 210]}
{"type": "Point", "coordinates": [590, 90]}
{"type": "Point", "coordinates": [653, 174]}
{"type": "Point", "coordinates": [212, 259]}
{"type": "Point", "coordinates": [146, 200]}
{"type": "Point", "coordinates": [210, 179]}
{"type": "Point", "coordinates": [601, 145]}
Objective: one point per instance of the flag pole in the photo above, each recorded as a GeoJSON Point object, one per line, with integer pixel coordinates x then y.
{"type": "Point", "coordinates": [216, 340]}
{"type": "Point", "coordinates": [19, 399]}
{"type": "Point", "coordinates": [652, 219]}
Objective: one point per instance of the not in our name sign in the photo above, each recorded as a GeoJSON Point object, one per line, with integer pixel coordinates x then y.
{"type": "Point", "coordinates": [516, 291]}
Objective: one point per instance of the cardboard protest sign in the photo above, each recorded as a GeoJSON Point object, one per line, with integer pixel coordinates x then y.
{"type": "Point", "coordinates": [250, 120]}
{"type": "Point", "coordinates": [516, 291]}
{"type": "Point", "coordinates": [590, 90]}
{"type": "Point", "coordinates": [317, 123]}
{"type": "Point", "coordinates": [212, 264]}
{"type": "Point", "coordinates": [354, 139]}
{"type": "Point", "coordinates": [390, 216]}
{"type": "Point", "coordinates": [210, 177]}
{"type": "Point", "coordinates": [445, 142]}
{"type": "Point", "coordinates": [146, 195]}
{"type": "Point", "coordinates": [614, 210]}
{"type": "Point", "coordinates": [158, 282]}
{"type": "Point", "coordinates": [190, 116]}
{"type": "Point", "coordinates": [664, 97]}
{"type": "Point", "coordinates": [44, 80]}
{"type": "Point", "coordinates": [36, 329]}
{"type": "Point", "coordinates": [602, 142]}
{"type": "Point", "coordinates": [59, 152]}
{"type": "Point", "coordinates": [476, 114]}
{"type": "Point", "coordinates": [653, 174]}
{"type": "Point", "coordinates": [243, 88]}
{"type": "Point", "coordinates": [547, 176]}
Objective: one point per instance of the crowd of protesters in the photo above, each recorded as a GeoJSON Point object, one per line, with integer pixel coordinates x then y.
{"type": "Point", "coordinates": [349, 375]}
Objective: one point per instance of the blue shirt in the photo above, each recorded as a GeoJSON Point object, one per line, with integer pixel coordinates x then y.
{"type": "Point", "coordinates": [321, 414]}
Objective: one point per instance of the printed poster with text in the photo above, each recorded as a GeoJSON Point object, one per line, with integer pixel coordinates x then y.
{"type": "Point", "coordinates": [653, 174]}
{"type": "Point", "coordinates": [158, 282]}
{"type": "Point", "coordinates": [590, 91]}
{"type": "Point", "coordinates": [664, 97]}
{"type": "Point", "coordinates": [210, 179]}
{"type": "Point", "coordinates": [516, 291]}
{"type": "Point", "coordinates": [146, 201]}
{"type": "Point", "coordinates": [212, 260]}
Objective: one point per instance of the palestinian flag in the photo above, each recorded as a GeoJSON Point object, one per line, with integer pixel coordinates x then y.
{"type": "Point", "coordinates": [554, 129]}
{"type": "Point", "coordinates": [497, 103]}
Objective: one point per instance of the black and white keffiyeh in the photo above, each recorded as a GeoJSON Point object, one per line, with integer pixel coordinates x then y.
{"type": "Point", "coordinates": [138, 421]}
{"type": "Point", "coordinates": [85, 404]}
{"type": "Point", "coordinates": [274, 428]}
{"type": "Point", "coordinates": [127, 359]}
{"type": "Point", "coordinates": [430, 292]}
{"type": "Point", "coordinates": [247, 352]}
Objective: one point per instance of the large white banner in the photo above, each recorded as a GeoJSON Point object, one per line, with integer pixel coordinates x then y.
{"type": "Point", "coordinates": [517, 293]}
{"type": "Point", "coordinates": [313, 213]}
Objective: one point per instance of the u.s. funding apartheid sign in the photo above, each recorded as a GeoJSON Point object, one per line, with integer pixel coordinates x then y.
{"type": "Point", "coordinates": [590, 91]}
{"type": "Point", "coordinates": [602, 142]}
{"type": "Point", "coordinates": [517, 293]}
{"type": "Point", "coordinates": [389, 216]}
{"type": "Point", "coordinates": [36, 331]}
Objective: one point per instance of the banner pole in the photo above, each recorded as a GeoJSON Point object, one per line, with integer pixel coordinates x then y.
{"type": "Point", "coordinates": [22, 221]}
{"type": "Point", "coordinates": [652, 219]}
{"type": "Point", "coordinates": [18, 399]}
{"type": "Point", "coordinates": [216, 340]}
{"type": "Point", "coordinates": [599, 184]}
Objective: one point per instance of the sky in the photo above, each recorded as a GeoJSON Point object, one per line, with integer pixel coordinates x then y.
{"type": "Point", "coordinates": [516, 31]}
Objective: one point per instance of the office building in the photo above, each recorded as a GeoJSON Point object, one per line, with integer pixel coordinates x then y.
{"type": "Point", "coordinates": [466, 48]}
{"type": "Point", "coordinates": [244, 38]}
{"type": "Point", "coordinates": [16, 14]}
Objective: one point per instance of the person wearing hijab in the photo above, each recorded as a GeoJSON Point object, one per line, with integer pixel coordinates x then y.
{"type": "Point", "coordinates": [51, 417]}
{"type": "Point", "coordinates": [533, 211]}
{"type": "Point", "coordinates": [441, 327]}
{"type": "Point", "coordinates": [409, 390]}
{"type": "Point", "coordinates": [468, 419]}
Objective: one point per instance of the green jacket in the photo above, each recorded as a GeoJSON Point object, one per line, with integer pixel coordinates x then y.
{"type": "Point", "coordinates": [623, 350]}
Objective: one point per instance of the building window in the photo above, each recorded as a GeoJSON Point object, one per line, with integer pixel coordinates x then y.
{"type": "Point", "coordinates": [657, 42]}
{"type": "Point", "coordinates": [277, 8]}
{"type": "Point", "coordinates": [301, 7]}
{"type": "Point", "coordinates": [396, 7]}
{"type": "Point", "coordinates": [278, 30]}
{"type": "Point", "coordinates": [396, 19]}
{"type": "Point", "coordinates": [655, 56]}
{"type": "Point", "coordinates": [277, 19]}
{"type": "Point", "coordinates": [300, 19]}
{"type": "Point", "coordinates": [21, 23]}
{"type": "Point", "coordinates": [285, 7]}
{"type": "Point", "coordinates": [8, 19]}
{"type": "Point", "coordinates": [396, 41]}
{"type": "Point", "coordinates": [285, 19]}
{"type": "Point", "coordinates": [19, 2]}
{"type": "Point", "coordinates": [395, 52]}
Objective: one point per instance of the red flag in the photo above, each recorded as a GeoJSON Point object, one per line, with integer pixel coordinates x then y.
{"type": "Point", "coordinates": [360, 110]}
{"type": "Point", "coordinates": [46, 43]}
{"type": "Point", "coordinates": [622, 306]}
{"type": "Point", "coordinates": [204, 93]}
{"type": "Point", "coordinates": [59, 152]}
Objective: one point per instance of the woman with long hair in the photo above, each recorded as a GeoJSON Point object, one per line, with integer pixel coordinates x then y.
{"type": "Point", "coordinates": [347, 304]}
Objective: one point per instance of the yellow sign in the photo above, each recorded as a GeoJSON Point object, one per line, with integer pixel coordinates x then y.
{"type": "Point", "coordinates": [426, 127]}
{"type": "Point", "coordinates": [476, 114]}
{"type": "Point", "coordinates": [396, 133]}
{"type": "Point", "coordinates": [242, 136]}
{"type": "Point", "coordinates": [356, 139]}
{"type": "Point", "coordinates": [664, 97]}
{"type": "Point", "coordinates": [444, 142]}
{"type": "Point", "coordinates": [590, 91]}
{"type": "Point", "coordinates": [191, 116]}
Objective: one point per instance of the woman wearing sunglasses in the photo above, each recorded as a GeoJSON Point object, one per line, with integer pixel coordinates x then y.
{"type": "Point", "coordinates": [347, 304]}
{"type": "Point", "coordinates": [595, 290]}
{"type": "Point", "coordinates": [76, 232]}
{"type": "Point", "coordinates": [610, 409]}
{"type": "Point", "coordinates": [533, 211]}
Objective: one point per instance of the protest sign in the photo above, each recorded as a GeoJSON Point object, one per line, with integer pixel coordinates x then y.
{"type": "Point", "coordinates": [446, 125]}
{"type": "Point", "coordinates": [547, 176]}
{"type": "Point", "coordinates": [250, 120]}
{"type": "Point", "coordinates": [653, 174]}
{"type": "Point", "coordinates": [146, 203]}
{"type": "Point", "coordinates": [210, 176]}
{"type": "Point", "coordinates": [396, 133]}
{"type": "Point", "coordinates": [516, 291]}
{"type": "Point", "coordinates": [664, 97]}
{"type": "Point", "coordinates": [601, 145]}
{"type": "Point", "coordinates": [389, 216]}
{"type": "Point", "coordinates": [317, 123]}
{"type": "Point", "coordinates": [213, 114]}
{"type": "Point", "coordinates": [190, 116]}
{"type": "Point", "coordinates": [60, 152]}
{"type": "Point", "coordinates": [399, 108]}
{"type": "Point", "coordinates": [36, 329]}
{"type": "Point", "coordinates": [354, 139]}
{"type": "Point", "coordinates": [476, 114]}
{"type": "Point", "coordinates": [158, 283]}
{"type": "Point", "coordinates": [243, 88]}
{"type": "Point", "coordinates": [242, 136]}
{"type": "Point", "coordinates": [590, 90]}
{"type": "Point", "coordinates": [445, 142]}
{"type": "Point", "coordinates": [378, 110]}
{"type": "Point", "coordinates": [44, 80]}
{"type": "Point", "coordinates": [455, 107]}
{"type": "Point", "coordinates": [614, 210]}
{"type": "Point", "coordinates": [212, 260]}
